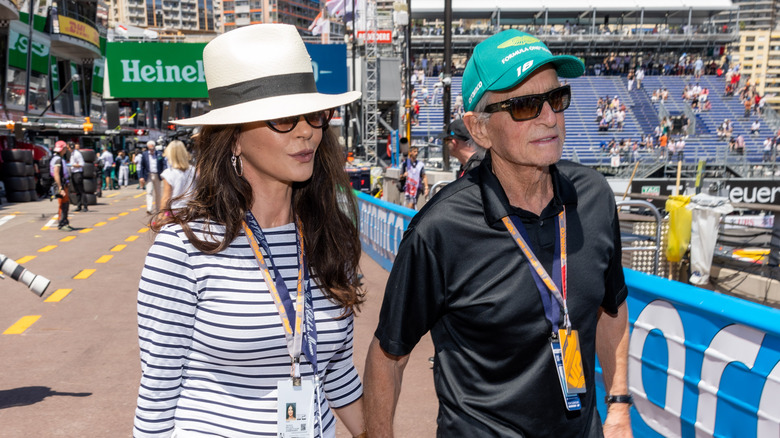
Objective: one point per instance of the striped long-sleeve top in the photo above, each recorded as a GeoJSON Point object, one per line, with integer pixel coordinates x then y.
{"type": "Point", "coordinates": [212, 343]}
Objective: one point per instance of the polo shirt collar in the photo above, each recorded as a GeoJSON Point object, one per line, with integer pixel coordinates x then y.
{"type": "Point", "coordinates": [496, 203]}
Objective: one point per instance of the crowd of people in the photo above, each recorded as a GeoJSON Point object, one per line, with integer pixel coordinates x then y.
{"type": "Point", "coordinates": [610, 113]}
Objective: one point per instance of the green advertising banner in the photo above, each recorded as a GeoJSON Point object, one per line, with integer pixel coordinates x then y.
{"type": "Point", "coordinates": [97, 76]}
{"type": "Point", "coordinates": [18, 44]}
{"type": "Point", "coordinates": [154, 71]}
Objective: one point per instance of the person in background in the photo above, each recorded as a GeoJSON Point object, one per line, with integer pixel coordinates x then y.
{"type": "Point", "coordinates": [152, 164]}
{"type": "Point", "coordinates": [123, 163]}
{"type": "Point", "coordinates": [463, 270]}
{"type": "Point", "coordinates": [247, 298]}
{"type": "Point", "coordinates": [413, 172]}
{"type": "Point", "coordinates": [76, 167]}
{"type": "Point", "coordinates": [108, 166]}
{"type": "Point", "coordinates": [137, 158]}
{"type": "Point", "coordinates": [177, 178]}
{"type": "Point", "coordinates": [462, 147]}
{"type": "Point", "coordinates": [59, 171]}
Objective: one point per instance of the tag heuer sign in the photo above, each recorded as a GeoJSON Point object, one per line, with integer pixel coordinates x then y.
{"type": "Point", "coordinates": [155, 71]}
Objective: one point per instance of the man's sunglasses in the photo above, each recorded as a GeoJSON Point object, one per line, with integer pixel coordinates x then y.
{"type": "Point", "coordinates": [316, 120]}
{"type": "Point", "coordinates": [529, 107]}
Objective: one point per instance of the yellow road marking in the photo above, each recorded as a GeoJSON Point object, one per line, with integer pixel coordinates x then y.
{"type": "Point", "coordinates": [84, 274]}
{"type": "Point", "coordinates": [139, 195]}
{"type": "Point", "coordinates": [143, 206]}
{"type": "Point", "coordinates": [104, 259]}
{"type": "Point", "coordinates": [25, 259]}
{"type": "Point", "coordinates": [143, 230]}
{"type": "Point", "coordinates": [118, 248]}
{"type": "Point", "coordinates": [111, 195]}
{"type": "Point", "coordinates": [100, 224]}
{"type": "Point", "coordinates": [85, 230]}
{"type": "Point", "coordinates": [67, 239]}
{"type": "Point", "coordinates": [47, 248]}
{"type": "Point", "coordinates": [57, 295]}
{"type": "Point", "coordinates": [124, 213]}
{"type": "Point", "coordinates": [134, 209]}
{"type": "Point", "coordinates": [113, 218]}
{"type": "Point", "coordinates": [23, 324]}
{"type": "Point", "coordinates": [131, 239]}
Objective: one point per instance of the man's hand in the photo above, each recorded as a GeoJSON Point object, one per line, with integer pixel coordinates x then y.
{"type": "Point", "coordinates": [618, 423]}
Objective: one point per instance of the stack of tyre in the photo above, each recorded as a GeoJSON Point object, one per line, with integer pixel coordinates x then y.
{"type": "Point", "coordinates": [90, 182]}
{"type": "Point", "coordinates": [19, 175]}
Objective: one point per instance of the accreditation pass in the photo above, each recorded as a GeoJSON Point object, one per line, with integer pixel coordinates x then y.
{"type": "Point", "coordinates": [295, 409]}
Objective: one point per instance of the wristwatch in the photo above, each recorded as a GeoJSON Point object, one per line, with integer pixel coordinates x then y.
{"type": "Point", "coordinates": [623, 398]}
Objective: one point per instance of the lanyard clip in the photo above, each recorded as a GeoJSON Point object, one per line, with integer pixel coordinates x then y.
{"type": "Point", "coordinates": [295, 372]}
{"type": "Point", "coordinates": [567, 323]}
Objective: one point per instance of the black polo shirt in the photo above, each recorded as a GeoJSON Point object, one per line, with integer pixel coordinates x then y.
{"type": "Point", "coordinates": [461, 276]}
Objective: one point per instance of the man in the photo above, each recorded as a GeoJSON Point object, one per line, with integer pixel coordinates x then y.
{"type": "Point", "coordinates": [152, 165]}
{"type": "Point", "coordinates": [413, 172]}
{"type": "Point", "coordinates": [108, 165]}
{"type": "Point", "coordinates": [77, 175]}
{"type": "Point", "coordinates": [461, 273]}
{"type": "Point", "coordinates": [462, 147]}
{"type": "Point", "coordinates": [59, 171]}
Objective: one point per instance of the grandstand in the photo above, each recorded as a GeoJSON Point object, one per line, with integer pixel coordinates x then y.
{"type": "Point", "coordinates": [583, 139]}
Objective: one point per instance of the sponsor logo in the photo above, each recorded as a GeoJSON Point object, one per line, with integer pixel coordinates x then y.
{"type": "Point", "coordinates": [508, 57]}
{"type": "Point", "coordinates": [518, 41]}
{"type": "Point", "coordinates": [133, 71]}
{"type": "Point", "coordinates": [474, 93]}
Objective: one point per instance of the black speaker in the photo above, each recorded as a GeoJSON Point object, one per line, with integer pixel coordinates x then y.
{"type": "Point", "coordinates": [112, 114]}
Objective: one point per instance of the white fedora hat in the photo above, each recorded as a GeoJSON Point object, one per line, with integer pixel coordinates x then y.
{"type": "Point", "coordinates": [261, 72]}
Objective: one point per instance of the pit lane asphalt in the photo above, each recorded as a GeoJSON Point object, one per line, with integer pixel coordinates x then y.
{"type": "Point", "coordinates": [69, 364]}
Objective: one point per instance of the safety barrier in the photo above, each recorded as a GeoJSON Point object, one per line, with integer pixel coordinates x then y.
{"type": "Point", "coordinates": [700, 363]}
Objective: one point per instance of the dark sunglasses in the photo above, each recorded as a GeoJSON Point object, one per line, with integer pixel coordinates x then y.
{"type": "Point", "coordinates": [529, 107]}
{"type": "Point", "coordinates": [316, 120]}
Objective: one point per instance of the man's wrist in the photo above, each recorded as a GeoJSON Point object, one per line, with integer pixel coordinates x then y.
{"type": "Point", "coordinates": [619, 399]}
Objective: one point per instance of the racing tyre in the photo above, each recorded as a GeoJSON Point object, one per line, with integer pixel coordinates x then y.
{"type": "Point", "coordinates": [29, 170]}
{"type": "Point", "coordinates": [18, 183]}
{"type": "Point", "coordinates": [89, 185]}
{"type": "Point", "coordinates": [14, 168]}
{"type": "Point", "coordinates": [89, 155]}
{"type": "Point", "coordinates": [89, 170]}
{"type": "Point", "coordinates": [18, 155]}
{"type": "Point", "coordinates": [20, 196]}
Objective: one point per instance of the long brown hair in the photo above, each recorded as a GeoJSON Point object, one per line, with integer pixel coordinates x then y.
{"type": "Point", "coordinates": [325, 205]}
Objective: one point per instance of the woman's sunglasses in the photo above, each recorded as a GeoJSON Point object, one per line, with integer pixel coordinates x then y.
{"type": "Point", "coordinates": [529, 107]}
{"type": "Point", "coordinates": [316, 120]}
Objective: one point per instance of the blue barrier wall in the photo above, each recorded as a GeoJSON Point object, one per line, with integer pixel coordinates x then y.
{"type": "Point", "coordinates": [700, 363]}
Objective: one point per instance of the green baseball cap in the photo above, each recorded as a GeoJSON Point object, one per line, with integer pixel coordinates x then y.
{"type": "Point", "coordinates": [507, 59]}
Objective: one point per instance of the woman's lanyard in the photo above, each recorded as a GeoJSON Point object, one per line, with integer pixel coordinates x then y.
{"type": "Point", "coordinates": [547, 286]}
{"type": "Point", "coordinates": [295, 321]}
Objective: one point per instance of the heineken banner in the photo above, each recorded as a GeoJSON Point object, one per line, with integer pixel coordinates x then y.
{"type": "Point", "coordinates": [18, 45]}
{"type": "Point", "coordinates": [156, 70]}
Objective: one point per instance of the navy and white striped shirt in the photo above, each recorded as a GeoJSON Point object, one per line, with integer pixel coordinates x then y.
{"type": "Point", "coordinates": [212, 344]}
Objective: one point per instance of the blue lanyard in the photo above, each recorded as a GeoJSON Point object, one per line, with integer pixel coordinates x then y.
{"type": "Point", "coordinates": [309, 347]}
{"type": "Point", "coordinates": [547, 287]}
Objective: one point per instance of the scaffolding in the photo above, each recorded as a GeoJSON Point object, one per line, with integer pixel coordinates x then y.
{"type": "Point", "coordinates": [370, 106]}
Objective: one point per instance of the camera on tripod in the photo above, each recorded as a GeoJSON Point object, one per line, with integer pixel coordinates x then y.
{"type": "Point", "coordinates": [36, 283]}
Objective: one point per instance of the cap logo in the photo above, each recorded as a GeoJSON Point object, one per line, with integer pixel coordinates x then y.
{"type": "Point", "coordinates": [518, 41]}
{"type": "Point", "coordinates": [508, 57]}
{"type": "Point", "coordinates": [474, 93]}
{"type": "Point", "coordinates": [524, 67]}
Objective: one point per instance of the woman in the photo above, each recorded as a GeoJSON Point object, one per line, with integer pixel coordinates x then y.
{"type": "Point", "coordinates": [177, 177]}
{"type": "Point", "coordinates": [268, 234]}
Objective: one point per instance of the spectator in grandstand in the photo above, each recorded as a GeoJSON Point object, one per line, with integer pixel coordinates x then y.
{"type": "Point", "coordinates": [725, 129]}
{"type": "Point", "coordinates": [760, 106]}
{"type": "Point", "coordinates": [755, 127]}
{"type": "Point", "coordinates": [620, 117]}
{"type": "Point", "coordinates": [460, 256]}
{"type": "Point", "coordinates": [458, 107]}
{"type": "Point", "coordinates": [630, 79]}
{"type": "Point", "coordinates": [663, 141]}
{"type": "Point", "coordinates": [679, 148]}
{"type": "Point", "coordinates": [664, 94]}
{"type": "Point", "coordinates": [698, 68]}
{"type": "Point", "coordinates": [656, 96]}
{"type": "Point", "coordinates": [768, 148]}
{"type": "Point", "coordinates": [271, 216]}
{"type": "Point", "coordinates": [739, 145]}
{"type": "Point", "coordinates": [640, 76]}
